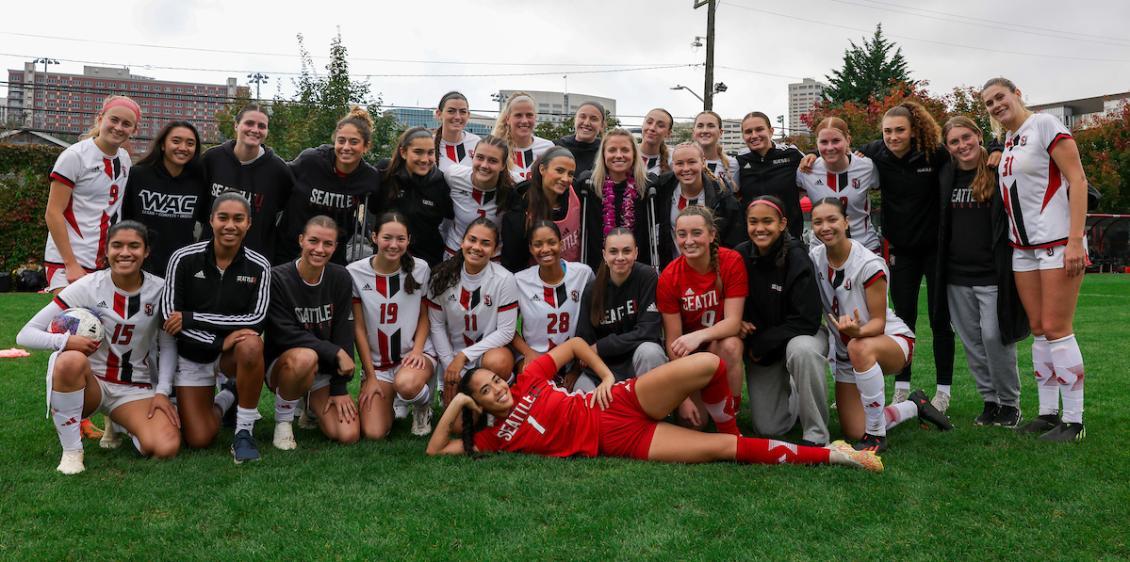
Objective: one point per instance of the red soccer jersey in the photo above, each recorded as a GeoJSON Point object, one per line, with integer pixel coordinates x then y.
{"type": "Point", "coordinates": [546, 419]}
{"type": "Point", "coordinates": [695, 296]}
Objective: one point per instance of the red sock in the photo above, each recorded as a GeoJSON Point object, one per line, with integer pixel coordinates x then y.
{"type": "Point", "coordinates": [719, 402]}
{"type": "Point", "coordinates": [737, 403]}
{"type": "Point", "coordinates": [752, 450]}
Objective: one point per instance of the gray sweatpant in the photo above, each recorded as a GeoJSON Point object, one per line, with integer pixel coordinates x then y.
{"type": "Point", "coordinates": [992, 363]}
{"type": "Point", "coordinates": [646, 357]}
{"type": "Point", "coordinates": [796, 386]}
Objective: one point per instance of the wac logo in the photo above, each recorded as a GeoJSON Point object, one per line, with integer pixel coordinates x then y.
{"type": "Point", "coordinates": [156, 203]}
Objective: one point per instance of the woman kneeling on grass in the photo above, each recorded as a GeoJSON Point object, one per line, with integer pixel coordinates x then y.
{"type": "Point", "coordinates": [618, 419]}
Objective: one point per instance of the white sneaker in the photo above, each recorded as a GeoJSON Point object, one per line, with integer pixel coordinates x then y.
{"type": "Point", "coordinates": [901, 394]}
{"type": "Point", "coordinates": [71, 463]}
{"type": "Point", "coordinates": [306, 417]}
{"type": "Point", "coordinates": [941, 401]}
{"type": "Point", "coordinates": [399, 407]}
{"type": "Point", "coordinates": [284, 437]}
{"type": "Point", "coordinates": [111, 436]}
{"type": "Point", "coordinates": [422, 420]}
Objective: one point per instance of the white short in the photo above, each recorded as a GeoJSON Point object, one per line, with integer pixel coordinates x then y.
{"type": "Point", "coordinates": [1040, 258]}
{"type": "Point", "coordinates": [843, 371]}
{"type": "Point", "coordinates": [389, 375]}
{"type": "Point", "coordinates": [191, 373]}
{"type": "Point", "coordinates": [113, 394]}
{"type": "Point", "coordinates": [57, 276]}
{"type": "Point", "coordinates": [321, 380]}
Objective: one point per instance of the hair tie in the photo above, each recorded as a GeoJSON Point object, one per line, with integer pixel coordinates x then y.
{"type": "Point", "coordinates": [125, 102]}
{"type": "Point", "coordinates": [780, 213]}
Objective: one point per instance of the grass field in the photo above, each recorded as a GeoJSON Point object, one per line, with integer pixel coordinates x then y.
{"type": "Point", "coordinates": [975, 493]}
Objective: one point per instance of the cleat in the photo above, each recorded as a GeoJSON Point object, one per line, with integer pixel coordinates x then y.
{"type": "Point", "coordinates": [307, 419]}
{"type": "Point", "coordinates": [1042, 424]}
{"type": "Point", "coordinates": [112, 437]}
{"type": "Point", "coordinates": [941, 402]}
{"type": "Point", "coordinates": [841, 445]}
{"type": "Point", "coordinates": [874, 443]}
{"type": "Point", "coordinates": [1065, 432]}
{"type": "Point", "coordinates": [243, 448]}
{"type": "Point", "coordinates": [1007, 416]}
{"type": "Point", "coordinates": [399, 408]}
{"type": "Point", "coordinates": [284, 437]}
{"type": "Point", "coordinates": [71, 462]}
{"type": "Point", "coordinates": [928, 413]}
{"type": "Point", "coordinates": [867, 460]}
{"type": "Point", "coordinates": [807, 443]}
{"type": "Point", "coordinates": [422, 420]}
{"type": "Point", "coordinates": [987, 414]}
{"type": "Point", "coordinates": [900, 395]}
{"type": "Point", "coordinates": [89, 430]}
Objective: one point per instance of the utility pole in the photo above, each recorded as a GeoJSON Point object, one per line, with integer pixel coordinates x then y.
{"type": "Point", "coordinates": [257, 79]}
{"type": "Point", "coordinates": [708, 89]}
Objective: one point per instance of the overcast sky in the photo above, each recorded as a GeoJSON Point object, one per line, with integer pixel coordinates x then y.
{"type": "Point", "coordinates": [1053, 50]}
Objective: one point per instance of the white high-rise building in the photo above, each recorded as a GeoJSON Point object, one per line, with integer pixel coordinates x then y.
{"type": "Point", "coordinates": [802, 96]}
{"type": "Point", "coordinates": [552, 106]}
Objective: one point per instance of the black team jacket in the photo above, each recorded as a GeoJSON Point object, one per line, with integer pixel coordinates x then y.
{"type": "Point", "coordinates": [773, 174]}
{"type": "Point", "coordinates": [266, 183]}
{"type": "Point", "coordinates": [425, 201]}
{"type": "Point", "coordinates": [784, 302]}
{"type": "Point", "coordinates": [727, 218]}
{"type": "Point", "coordinates": [515, 239]}
{"type": "Point", "coordinates": [584, 153]}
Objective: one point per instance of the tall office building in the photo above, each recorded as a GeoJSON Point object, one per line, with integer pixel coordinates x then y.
{"type": "Point", "coordinates": [802, 96]}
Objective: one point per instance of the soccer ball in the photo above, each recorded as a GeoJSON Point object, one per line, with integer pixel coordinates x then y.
{"type": "Point", "coordinates": [78, 322]}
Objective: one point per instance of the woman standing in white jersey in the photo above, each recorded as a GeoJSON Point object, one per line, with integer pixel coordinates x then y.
{"type": "Point", "coordinates": [454, 144]}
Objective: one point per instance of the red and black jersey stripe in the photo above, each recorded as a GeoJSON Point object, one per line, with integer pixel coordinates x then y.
{"type": "Point", "coordinates": [456, 152]}
{"type": "Point", "coordinates": [482, 197]}
{"type": "Point", "coordinates": [388, 345]}
{"type": "Point", "coordinates": [876, 277]}
{"type": "Point", "coordinates": [126, 306]}
{"type": "Point", "coordinates": [1017, 214]}
{"type": "Point", "coordinates": [469, 299]}
{"type": "Point", "coordinates": [555, 296]}
{"type": "Point", "coordinates": [836, 278]}
{"type": "Point", "coordinates": [837, 182]}
{"type": "Point", "coordinates": [119, 369]}
{"type": "Point", "coordinates": [387, 287]}
{"type": "Point", "coordinates": [523, 158]}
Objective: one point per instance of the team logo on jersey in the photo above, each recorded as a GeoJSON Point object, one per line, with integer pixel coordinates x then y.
{"type": "Point", "coordinates": [781, 161]}
{"type": "Point", "coordinates": [199, 274]}
{"type": "Point", "coordinates": [487, 301]}
{"type": "Point", "coordinates": [149, 309]}
{"type": "Point", "coordinates": [847, 284]}
{"type": "Point", "coordinates": [1023, 140]}
{"type": "Point", "coordinates": [576, 296]}
{"type": "Point", "coordinates": [102, 304]}
{"type": "Point", "coordinates": [775, 287]}
{"type": "Point", "coordinates": [925, 170]}
{"type": "Point", "coordinates": [164, 204]}
{"type": "Point", "coordinates": [366, 287]}
{"type": "Point", "coordinates": [249, 279]}
{"type": "Point", "coordinates": [748, 166]}
{"type": "Point", "coordinates": [819, 182]}
{"type": "Point", "coordinates": [855, 183]}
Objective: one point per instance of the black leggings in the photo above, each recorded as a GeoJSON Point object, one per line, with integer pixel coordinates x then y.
{"type": "Point", "coordinates": [907, 271]}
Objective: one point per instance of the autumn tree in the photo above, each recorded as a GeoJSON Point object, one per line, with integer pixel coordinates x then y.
{"type": "Point", "coordinates": [1104, 147]}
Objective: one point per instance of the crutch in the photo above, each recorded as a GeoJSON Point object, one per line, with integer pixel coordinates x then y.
{"type": "Point", "coordinates": [653, 236]}
{"type": "Point", "coordinates": [584, 221]}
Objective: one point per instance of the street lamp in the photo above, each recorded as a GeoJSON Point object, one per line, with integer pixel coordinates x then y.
{"type": "Point", "coordinates": [257, 79]}
{"type": "Point", "coordinates": [45, 61]}
{"type": "Point", "coordinates": [718, 88]}
{"type": "Point", "coordinates": [781, 121]}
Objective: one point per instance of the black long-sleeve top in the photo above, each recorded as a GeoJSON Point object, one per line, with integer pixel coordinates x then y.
{"type": "Point", "coordinates": [784, 302]}
{"type": "Point", "coordinates": [317, 317]}
{"type": "Point", "coordinates": [630, 317]}
{"type": "Point", "coordinates": [265, 182]}
{"type": "Point", "coordinates": [515, 239]}
{"type": "Point", "coordinates": [584, 153]}
{"type": "Point", "coordinates": [727, 218]}
{"type": "Point", "coordinates": [425, 201]}
{"type": "Point", "coordinates": [772, 174]}
{"type": "Point", "coordinates": [168, 205]}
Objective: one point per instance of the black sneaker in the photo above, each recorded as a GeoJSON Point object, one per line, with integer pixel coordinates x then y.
{"type": "Point", "coordinates": [1065, 432]}
{"type": "Point", "coordinates": [927, 412]}
{"type": "Point", "coordinates": [229, 416]}
{"type": "Point", "coordinates": [1042, 424]}
{"type": "Point", "coordinates": [243, 448]}
{"type": "Point", "coordinates": [988, 414]}
{"type": "Point", "coordinates": [874, 443]}
{"type": "Point", "coordinates": [1007, 416]}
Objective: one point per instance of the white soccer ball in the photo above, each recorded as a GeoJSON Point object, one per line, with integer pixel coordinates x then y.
{"type": "Point", "coordinates": [78, 322]}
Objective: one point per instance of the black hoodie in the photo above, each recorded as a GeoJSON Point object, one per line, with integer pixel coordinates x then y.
{"type": "Point", "coordinates": [783, 302]}
{"type": "Point", "coordinates": [584, 153]}
{"type": "Point", "coordinates": [425, 201]}
{"type": "Point", "coordinates": [265, 182]}
{"type": "Point", "coordinates": [727, 217]}
{"type": "Point", "coordinates": [167, 205]}
{"type": "Point", "coordinates": [630, 318]}
{"type": "Point", "coordinates": [773, 174]}
{"type": "Point", "coordinates": [516, 244]}
{"type": "Point", "coordinates": [320, 190]}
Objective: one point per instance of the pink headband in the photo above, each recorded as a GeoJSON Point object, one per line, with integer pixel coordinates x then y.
{"type": "Point", "coordinates": [123, 102]}
{"type": "Point", "coordinates": [766, 202]}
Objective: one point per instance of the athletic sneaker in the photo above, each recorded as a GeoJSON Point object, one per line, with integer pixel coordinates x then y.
{"type": "Point", "coordinates": [284, 437]}
{"type": "Point", "coordinates": [900, 395]}
{"type": "Point", "coordinates": [112, 436]}
{"type": "Point", "coordinates": [988, 414]}
{"type": "Point", "coordinates": [941, 401]}
{"type": "Point", "coordinates": [71, 463]}
{"type": "Point", "coordinates": [307, 419]}
{"type": "Point", "coordinates": [243, 448]}
{"type": "Point", "coordinates": [928, 413]}
{"type": "Point", "coordinates": [846, 456]}
{"type": "Point", "coordinates": [89, 430]}
{"type": "Point", "coordinates": [1007, 416]}
{"type": "Point", "coordinates": [422, 419]}
{"type": "Point", "coordinates": [399, 408]}
{"type": "Point", "coordinates": [1042, 424]}
{"type": "Point", "coordinates": [1065, 432]}
{"type": "Point", "coordinates": [874, 443]}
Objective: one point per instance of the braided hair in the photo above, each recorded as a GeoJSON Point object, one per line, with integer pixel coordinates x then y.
{"type": "Point", "coordinates": [711, 224]}
{"type": "Point", "coordinates": [407, 262]}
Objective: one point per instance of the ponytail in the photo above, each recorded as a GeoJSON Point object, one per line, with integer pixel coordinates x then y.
{"type": "Point", "coordinates": [392, 193]}
{"type": "Point", "coordinates": [407, 262]}
{"type": "Point", "coordinates": [600, 283]}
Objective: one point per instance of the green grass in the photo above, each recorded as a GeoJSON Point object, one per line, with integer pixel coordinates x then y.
{"type": "Point", "coordinates": [975, 493]}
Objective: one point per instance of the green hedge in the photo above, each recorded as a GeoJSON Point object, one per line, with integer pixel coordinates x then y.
{"type": "Point", "coordinates": [24, 185]}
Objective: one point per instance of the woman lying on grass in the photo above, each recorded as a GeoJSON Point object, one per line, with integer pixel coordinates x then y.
{"type": "Point", "coordinates": [618, 419]}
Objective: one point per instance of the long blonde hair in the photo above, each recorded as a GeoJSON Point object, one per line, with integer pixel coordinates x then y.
{"type": "Point", "coordinates": [983, 183]}
{"type": "Point", "coordinates": [600, 170]}
{"type": "Point", "coordinates": [996, 126]}
{"type": "Point", "coordinates": [501, 125]}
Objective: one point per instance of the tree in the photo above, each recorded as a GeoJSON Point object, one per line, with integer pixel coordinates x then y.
{"type": "Point", "coordinates": [868, 70]}
{"type": "Point", "coordinates": [1104, 148]}
{"type": "Point", "coordinates": [864, 119]}
{"type": "Point", "coordinates": [554, 131]}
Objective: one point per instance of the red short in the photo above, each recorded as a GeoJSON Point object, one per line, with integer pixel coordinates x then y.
{"type": "Point", "coordinates": [625, 429]}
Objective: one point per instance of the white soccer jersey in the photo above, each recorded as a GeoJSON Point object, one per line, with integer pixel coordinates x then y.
{"type": "Point", "coordinates": [550, 312]}
{"type": "Point", "coordinates": [844, 290]}
{"type": "Point", "coordinates": [467, 316]}
{"type": "Point", "coordinates": [653, 164]}
{"type": "Point", "coordinates": [678, 203]}
{"type": "Point", "coordinates": [723, 172]}
{"type": "Point", "coordinates": [457, 153]}
{"type": "Point", "coordinates": [851, 187]}
{"type": "Point", "coordinates": [391, 314]}
{"type": "Point", "coordinates": [130, 320]}
{"type": "Point", "coordinates": [97, 185]}
{"type": "Point", "coordinates": [522, 159]}
{"type": "Point", "coordinates": [469, 203]}
{"type": "Point", "coordinates": [1033, 188]}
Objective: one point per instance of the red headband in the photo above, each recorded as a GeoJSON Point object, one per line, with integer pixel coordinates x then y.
{"type": "Point", "coordinates": [123, 102]}
{"type": "Point", "coordinates": [771, 204]}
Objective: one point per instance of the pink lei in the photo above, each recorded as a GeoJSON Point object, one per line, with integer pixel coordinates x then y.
{"type": "Point", "coordinates": [628, 211]}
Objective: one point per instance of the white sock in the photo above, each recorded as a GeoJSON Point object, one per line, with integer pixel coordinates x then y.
{"type": "Point", "coordinates": [224, 400]}
{"type": "Point", "coordinates": [870, 385]}
{"type": "Point", "coordinates": [902, 385]}
{"type": "Point", "coordinates": [284, 409]}
{"type": "Point", "coordinates": [245, 418]}
{"type": "Point", "coordinates": [1046, 385]}
{"type": "Point", "coordinates": [1068, 363]}
{"type": "Point", "coordinates": [943, 389]}
{"type": "Point", "coordinates": [898, 413]}
{"type": "Point", "coordinates": [66, 411]}
{"type": "Point", "coordinates": [421, 399]}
